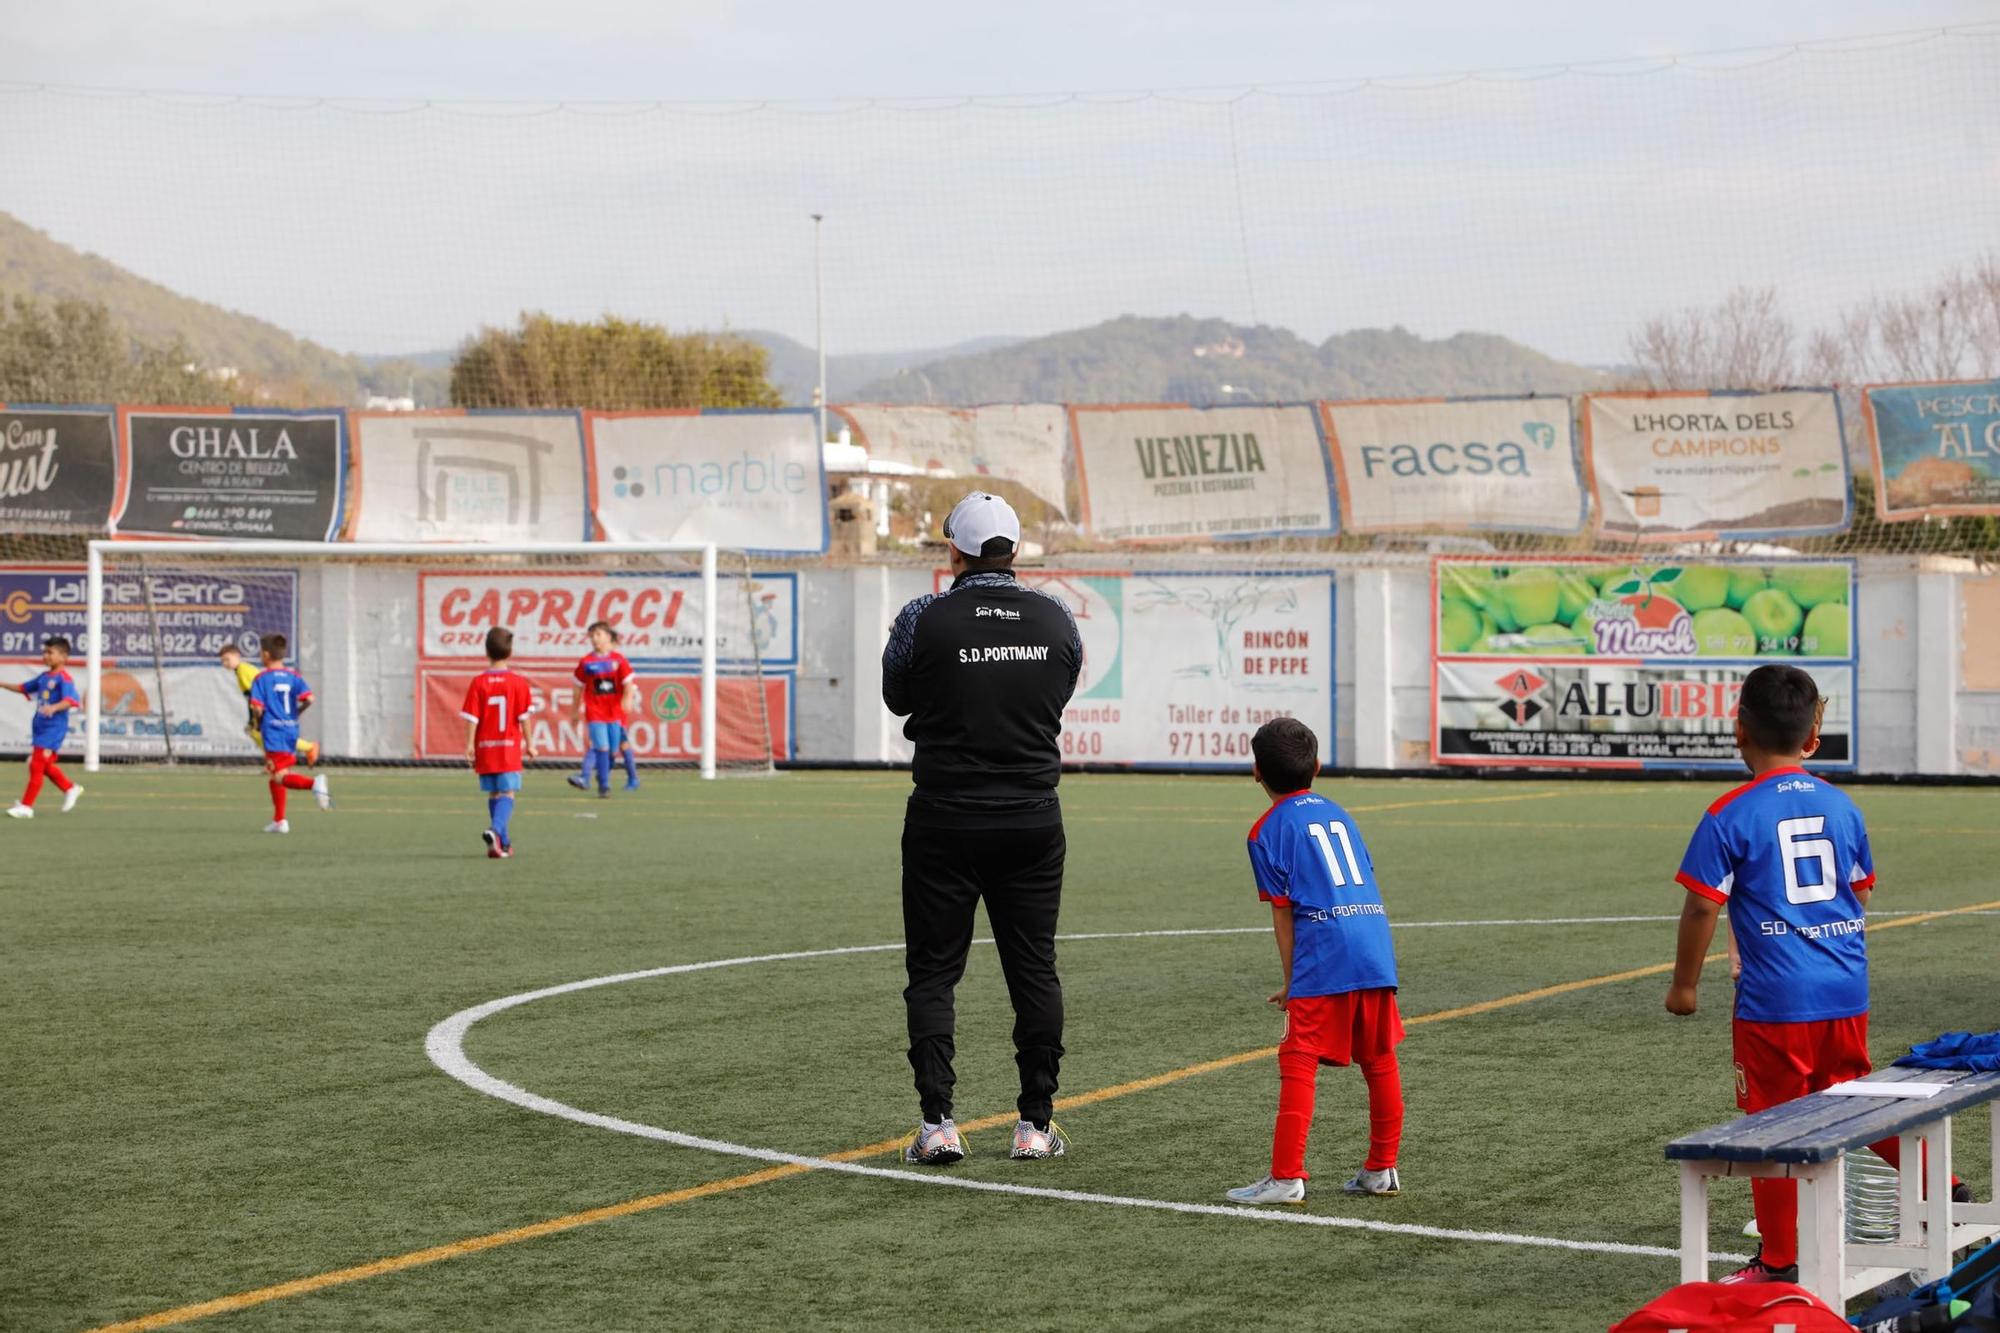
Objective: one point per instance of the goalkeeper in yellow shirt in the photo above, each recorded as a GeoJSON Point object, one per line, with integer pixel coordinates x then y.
{"type": "Point", "coordinates": [246, 675]}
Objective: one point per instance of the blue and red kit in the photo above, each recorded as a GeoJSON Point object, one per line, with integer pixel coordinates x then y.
{"type": "Point", "coordinates": [54, 697]}
{"type": "Point", "coordinates": [277, 697]}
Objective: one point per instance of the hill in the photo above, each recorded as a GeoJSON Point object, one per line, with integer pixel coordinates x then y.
{"type": "Point", "coordinates": [1184, 359]}
{"type": "Point", "coordinates": [795, 367]}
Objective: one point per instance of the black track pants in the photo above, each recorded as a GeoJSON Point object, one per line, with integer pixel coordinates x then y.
{"type": "Point", "coordinates": [1019, 873]}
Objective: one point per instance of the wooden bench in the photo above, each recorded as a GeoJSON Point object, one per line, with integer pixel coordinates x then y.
{"type": "Point", "coordinates": [1808, 1139]}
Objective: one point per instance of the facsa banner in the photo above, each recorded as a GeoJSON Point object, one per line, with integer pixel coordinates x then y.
{"type": "Point", "coordinates": [58, 467]}
{"type": "Point", "coordinates": [1671, 466]}
{"type": "Point", "coordinates": [180, 616]}
{"type": "Point", "coordinates": [1458, 464]}
{"type": "Point", "coordinates": [1181, 669]}
{"type": "Point", "coordinates": [1937, 448]}
{"type": "Point", "coordinates": [470, 476]}
{"type": "Point", "coordinates": [1162, 473]}
{"type": "Point", "coordinates": [666, 727]}
{"type": "Point", "coordinates": [222, 472]}
{"type": "Point", "coordinates": [658, 615]}
{"type": "Point", "coordinates": [1018, 442]}
{"type": "Point", "coordinates": [747, 480]}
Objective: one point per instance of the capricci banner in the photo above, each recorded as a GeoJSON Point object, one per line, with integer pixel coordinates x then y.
{"type": "Point", "coordinates": [1161, 473]}
{"type": "Point", "coordinates": [658, 615]}
{"type": "Point", "coordinates": [666, 726]}
{"type": "Point", "coordinates": [1937, 448]}
{"type": "Point", "coordinates": [470, 476]}
{"type": "Point", "coordinates": [194, 472]}
{"type": "Point", "coordinates": [58, 467]}
{"type": "Point", "coordinates": [1181, 669]}
{"type": "Point", "coordinates": [1672, 465]}
{"type": "Point", "coordinates": [1460, 464]}
{"type": "Point", "coordinates": [747, 480]}
{"type": "Point", "coordinates": [1018, 442]}
{"type": "Point", "coordinates": [176, 616]}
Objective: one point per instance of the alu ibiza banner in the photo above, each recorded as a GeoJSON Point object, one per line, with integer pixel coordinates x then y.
{"type": "Point", "coordinates": [1168, 473]}
{"type": "Point", "coordinates": [1672, 466]}
{"type": "Point", "coordinates": [1937, 448]}
{"type": "Point", "coordinates": [1456, 464]}
{"type": "Point", "coordinates": [746, 480]}
{"type": "Point", "coordinates": [58, 467]}
{"type": "Point", "coordinates": [470, 476]}
{"type": "Point", "coordinates": [1018, 442]}
{"type": "Point", "coordinates": [232, 472]}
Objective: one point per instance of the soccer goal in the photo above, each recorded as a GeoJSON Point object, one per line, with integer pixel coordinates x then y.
{"type": "Point", "coordinates": [388, 637]}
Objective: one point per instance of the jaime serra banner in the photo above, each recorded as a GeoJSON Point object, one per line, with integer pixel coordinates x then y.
{"type": "Point", "coordinates": [1460, 464]}
{"type": "Point", "coordinates": [222, 472]}
{"type": "Point", "coordinates": [746, 480]}
{"type": "Point", "coordinates": [1162, 473]}
{"type": "Point", "coordinates": [666, 725]}
{"type": "Point", "coordinates": [183, 616]}
{"type": "Point", "coordinates": [470, 476]}
{"type": "Point", "coordinates": [1669, 466]}
{"type": "Point", "coordinates": [658, 615]}
{"type": "Point", "coordinates": [58, 467]}
{"type": "Point", "coordinates": [1615, 664]}
{"type": "Point", "coordinates": [1937, 448]}
{"type": "Point", "coordinates": [1181, 669]}
{"type": "Point", "coordinates": [1018, 442]}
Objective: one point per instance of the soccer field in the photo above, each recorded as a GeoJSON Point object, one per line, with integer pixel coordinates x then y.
{"type": "Point", "coordinates": [216, 1079]}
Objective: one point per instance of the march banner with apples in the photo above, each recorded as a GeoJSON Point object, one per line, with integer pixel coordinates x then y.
{"type": "Point", "coordinates": [1620, 664]}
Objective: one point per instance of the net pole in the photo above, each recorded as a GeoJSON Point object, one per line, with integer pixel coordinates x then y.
{"type": "Point", "coordinates": [709, 599]}
{"type": "Point", "coordinates": [159, 663]}
{"type": "Point", "coordinates": [93, 629]}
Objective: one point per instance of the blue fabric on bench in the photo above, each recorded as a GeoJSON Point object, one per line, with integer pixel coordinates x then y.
{"type": "Point", "coordinates": [1957, 1050]}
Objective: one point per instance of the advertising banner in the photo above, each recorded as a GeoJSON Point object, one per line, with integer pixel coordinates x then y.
{"type": "Point", "coordinates": [58, 467]}
{"type": "Point", "coordinates": [192, 613]}
{"type": "Point", "coordinates": [666, 726]}
{"type": "Point", "coordinates": [470, 476]}
{"type": "Point", "coordinates": [203, 717]}
{"type": "Point", "coordinates": [1458, 464]}
{"type": "Point", "coordinates": [1937, 448]}
{"type": "Point", "coordinates": [658, 615]}
{"type": "Point", "coordinates": [1018, 442]}
{"type": "Point", "coordinates": [1165, 473]}
{"type": "Point", "coordinates": [746, 480]}
{"type": "Point", "coordinates": [221, 472]}
{"type": "Point", "coordinates": [1181, 669]}
{"type": "Point", "coordinates": [1669, 466]}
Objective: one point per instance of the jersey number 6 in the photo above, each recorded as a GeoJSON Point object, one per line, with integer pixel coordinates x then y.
{"type": "Point", "coordinates": [1796, 843]}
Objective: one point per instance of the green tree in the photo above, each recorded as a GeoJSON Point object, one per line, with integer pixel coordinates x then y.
{"type": "Point", "coordinates": [73, 352]}
{"type": "Point", "coordinates": [612, 365]}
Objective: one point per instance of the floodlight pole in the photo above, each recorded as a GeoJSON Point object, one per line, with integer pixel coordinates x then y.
{"type": "Point", "coordinates": [819, 321]}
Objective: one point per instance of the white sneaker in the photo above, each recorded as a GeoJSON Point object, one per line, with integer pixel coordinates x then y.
{"type": "Point", "coordinates": [1270, 1190]}
{"type": "Point", "coordinates": [19, 811]}
{"type": "Point", "coordinates": [935, 1145]}
{"type": "Point", "coordinates": [70, 798]}
{"type": "Point", "coordinates": [1375, 1182]}
{"type": "Point", "coordinates": [321, 794]}
{"type": "Point", "coordinates": [1033, 1145]}
{"type": "Point", "coordinates": [278, 826]}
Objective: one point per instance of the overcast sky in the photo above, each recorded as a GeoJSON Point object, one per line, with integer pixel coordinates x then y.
{"type": "Point", "coordinates": [1555, 210]}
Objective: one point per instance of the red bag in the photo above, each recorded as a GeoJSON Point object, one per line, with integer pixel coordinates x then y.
{"type": "Point", "coordinates": [1710, 1307]}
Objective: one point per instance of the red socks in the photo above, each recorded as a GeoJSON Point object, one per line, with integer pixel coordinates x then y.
{"type": "Point", "coordinates": [282, 783]}
{"type": "Point", "coordinates": [43, 764]}
{"type": "Point", "coordinates": [1385, 1111]}
{"type": "Point", "coordinates": [1297, 1074]}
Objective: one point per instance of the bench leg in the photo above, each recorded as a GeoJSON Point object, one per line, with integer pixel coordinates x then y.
{"type": "Point", "coordinates": [1937, 1208]}
{"type": "Point", "coordinates": [1909, 1192]}
{"type": "Point", "coordinates": [1822, 1230]}
{"type": "Point", "coordinates": [1694, 1222]}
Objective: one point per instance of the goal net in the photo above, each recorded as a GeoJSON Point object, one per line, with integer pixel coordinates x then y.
{"type": "Point", "coordinates": [389, 638]}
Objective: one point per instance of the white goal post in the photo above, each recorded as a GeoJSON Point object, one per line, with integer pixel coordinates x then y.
{"type": "Point", "coordinates": [209, 551]}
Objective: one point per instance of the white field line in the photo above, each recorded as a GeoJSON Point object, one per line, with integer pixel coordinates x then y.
{"type": "Point", "coordinates": [445, 1045]}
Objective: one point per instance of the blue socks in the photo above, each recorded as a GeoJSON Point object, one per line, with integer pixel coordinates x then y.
{"type": "Point", "coordinates": [631, 767]}
{"type": "Point", "coordinates": [500, 812]}
{"type": "Point", "coordinates": [601, 761]}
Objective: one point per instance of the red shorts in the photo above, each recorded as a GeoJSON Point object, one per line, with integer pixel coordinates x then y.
{"type": "Point", "coordinates": [1340, 1029]}
{"type": "Point", "coordinates": [279, 760]}
{"type": "Point", "coordinates": [1776, 1062]}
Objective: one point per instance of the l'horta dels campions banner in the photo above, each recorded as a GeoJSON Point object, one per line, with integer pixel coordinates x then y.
{"type": "Point", "coordinates": [470, 476]}
{"type": "Point", "coordinates": [232, 472]}
{"type": "Point", "coordinates": [1937, 448]}
{"type": "Point", "coordinates": [752, 481]}
{"type": "Point", "coordinates": [1018, 442]}
{"type": "Point", "coordinates": [1615, 664]}
{"type": "Point", "coordinates": [58, 467]}
{"type": "Point", "coordinates": [1669, 466]}
{"type": "Point", "coordinates": [1158, 473]}
{"type": "Point", "coordinates": [1180, 669]}
{"type": "Point", "coordinates": [1457, 464]}
{"type": "Point", "coordinates": [666, 727]}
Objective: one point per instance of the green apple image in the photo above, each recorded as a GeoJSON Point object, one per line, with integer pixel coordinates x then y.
{"type": "Point", "coordinates": [1825, 634]}
{"type": "Point", "coordinates": [1701, 587]}
{"type": "Point", "coordinates": [1812, 585]}
{"type": "Point", "coordinates": [1720, 632]}
{"type": "Point", "coordinates": [1742, 584]}
{"type": "Point", "coordinates": [1557, 639]}
{"type": "Point", "coordinates": [1531, 596]}
{"type": "Point", "coordinates": [1471, 584]}
{"type": "Point", "coordinates": [1776, 618]}
{"type": "Point", "coordinates": [1585, 626]}
{"type": "Point", "coordinates": [1459, 625]}
{"type": "Point", "coordinates": [1578, 592]}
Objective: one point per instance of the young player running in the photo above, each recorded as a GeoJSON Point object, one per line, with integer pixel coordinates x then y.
{"type": "Point", "coordinates": [245, 676]}
{"type": "Point", "coordinates": [606, 678]}
{"type": "Point", "coordinates": [497, 704]}
{"type": "Point", "coordinates": [581, 778]}
{"type": "Point", "coordinates": [55, 697]}
{"type": "Point", "coordinates": [1339, 966]}
{"type": "Point", "coordinates": [278, 697]}
{"type": "Point", "coordinates": [1789, 855]}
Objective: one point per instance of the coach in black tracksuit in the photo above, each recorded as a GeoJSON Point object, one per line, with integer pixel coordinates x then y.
{"type": "Point", "coordinates": [983, 670]}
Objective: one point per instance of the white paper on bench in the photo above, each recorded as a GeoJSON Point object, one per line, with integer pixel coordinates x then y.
{"type": "Point", "coordinates": [1859, 1088]}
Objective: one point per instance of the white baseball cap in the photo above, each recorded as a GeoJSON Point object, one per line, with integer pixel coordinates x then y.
{"type": "Point", "coordinates": [978, 519]}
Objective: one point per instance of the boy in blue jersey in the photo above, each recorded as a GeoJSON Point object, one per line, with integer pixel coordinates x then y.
{"type": "Point", "coordinates": [278, 697]}
{"type": "Point", "coordinates": [1789, 856]}
{"type": "Point", "coordinates": [1339, 966]}
{"type": "Point", "coordinates": [55, 697]}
